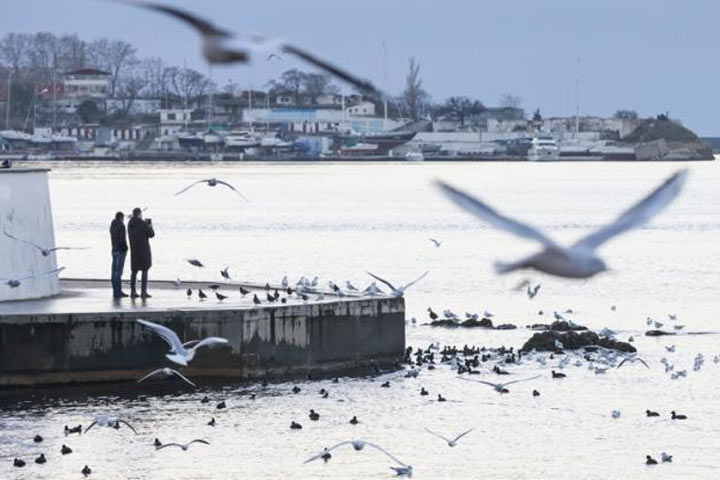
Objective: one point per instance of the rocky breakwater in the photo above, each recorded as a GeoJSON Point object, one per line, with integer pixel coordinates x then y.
{"type": "Point", "coordinates": [562, 335]}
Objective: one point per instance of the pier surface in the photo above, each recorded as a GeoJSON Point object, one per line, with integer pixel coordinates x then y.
{"type": "Point", "coordinates": [85, 336]}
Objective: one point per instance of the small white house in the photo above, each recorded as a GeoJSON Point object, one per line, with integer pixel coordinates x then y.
{"type": "Point", "coordinates": [174, 120]}
{"type": "Point", "coordinates": [362, 109]}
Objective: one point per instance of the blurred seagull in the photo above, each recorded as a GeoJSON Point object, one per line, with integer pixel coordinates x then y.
{"type": "Point", "coordinates": [44, 251]}
{"type": "Point", "coordinates": [212, 182]}
{"type": "Point", "coordinates": [359, 445]}
{"type": "Point", "coordinates": [450, 442]}
{"type": "Point", "coordinates": [180, 353]}
{"type": "Point", "coordinates": [500, 387]}
{"type": "Point", "coordinates": [215, 46]}
{"type": "Point", "coordinates": [436, 242]}
{"type": "Point", "coordinates": [579, 260]}
{"type": "Point", "coordinates": [195, 263]}
{"type": "Point", "coordinates": [167, 372]}
{"type": "Point", "coordinates": [16, 282]}
{"type": "Point", "coordinates": [184, 446]}
{"type": "Point", "coordinates": [398, 292]}
{"type": "Point", "coordinates": [633, 360]}
{"type": "Point", "coordinates": [224, 273]}
{"type": "Point", "coordinates": [103, 420]}
{"type": "Point", "coordinates": [532, 292]}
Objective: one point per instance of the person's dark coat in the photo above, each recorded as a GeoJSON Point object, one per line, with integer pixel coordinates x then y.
{"type": "Point", "coordinates": [139, 232]}
{"type": "Point", "coordinates": [117, 236]}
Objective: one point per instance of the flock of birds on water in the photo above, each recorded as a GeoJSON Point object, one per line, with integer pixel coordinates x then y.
{"type": "Point", "coordinates": [576, 261]}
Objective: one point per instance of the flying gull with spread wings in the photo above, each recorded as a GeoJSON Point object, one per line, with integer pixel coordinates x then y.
{"type": "Point", "coordinates": [216, 46]}
{"type": "Point", "coordinates": [400, 291]}
{"type": "Point", "coordinates": [580, 259]}
{"type": "Point", "coordinates": [180, 353]}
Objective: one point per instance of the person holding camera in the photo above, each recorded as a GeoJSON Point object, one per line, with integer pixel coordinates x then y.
{"type": "Point", "coordinates": [140, 232]}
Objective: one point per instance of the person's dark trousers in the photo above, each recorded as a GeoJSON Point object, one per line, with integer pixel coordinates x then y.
{"type": "Point", "coordinates": [118, 264]}
{"type": "Point", "coordinates": [143, 284]}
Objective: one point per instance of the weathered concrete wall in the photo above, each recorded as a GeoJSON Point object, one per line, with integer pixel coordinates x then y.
{"type": "Point", "coordinates": [25, 213]}
{"type": "Point", "coordinates": [64, 348]}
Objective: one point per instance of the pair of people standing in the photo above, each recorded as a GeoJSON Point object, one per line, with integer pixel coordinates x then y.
{"type": "Point", "coordinates": [139, 231]}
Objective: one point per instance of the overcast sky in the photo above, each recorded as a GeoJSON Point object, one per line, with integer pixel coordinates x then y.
{"type": "Point", "coordinates": [647, 55]}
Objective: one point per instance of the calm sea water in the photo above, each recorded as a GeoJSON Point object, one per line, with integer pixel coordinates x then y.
{"type": "Point", "coordinates": [337, 221]}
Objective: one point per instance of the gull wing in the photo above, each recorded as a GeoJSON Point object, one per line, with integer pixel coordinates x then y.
{"type": "Point", "coordinates": [209, 341]}
{"type": "Point", "coordinates": [233, 189]}
{"type": "Point", "coordinates": [154, 372]}
{"type": "Point", "coordinates": [199, 440]}
{"type": "Point", "coordinates": [51, 272]}
{"type": "Point", "coordinates": [320, 454]}
{"type": "Point", "coordinates": [463, 434]}
{"type": "Point", "coordinates": [638, 214]}
{"type": "Point", "coordinates": [474, 206]}
{"type": "Point", "coordinates": [363, 85]}
{"type": "Point", "coordinates": [437, 435]}
{"type": "Point", "coordinates": [170, 445]}
{"type": "Point", "coordinates": [494, 385]}
{"type": "Point", "coordinates": [416, 280]}
{"type": "Point", "coordinates": [190, 186]}
{"type": "Point", "coordinates": [168, 335]}
{"type": "Point", "coordinates": [22, 241]}
{"type": "Point", "coordinates": [377, 447]}
{"type": "Point", "coordinates": [203, 26]}
{"type": "Point", "coordinates": [520, 380]}
{"type": "Point", "coordinates": [178, 374]}
{"type": "Point", "coordinates": [66, 248]}
{"type": "Point", "coordinates": [89, 427]}
{"type": "Point", "coordinates": [128, 425]}
{"type": "Point", "coordinates": [382, 280]}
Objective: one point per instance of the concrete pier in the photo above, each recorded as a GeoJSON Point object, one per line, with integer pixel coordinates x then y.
{"type": "Point", "coordinates": [84, 336]}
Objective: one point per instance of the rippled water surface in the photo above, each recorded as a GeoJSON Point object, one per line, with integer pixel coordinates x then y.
{"type": "Point", "coordinates": [337, 221]}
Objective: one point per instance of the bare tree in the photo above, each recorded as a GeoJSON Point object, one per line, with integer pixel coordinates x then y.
{"type": "Point", "coordinates": [626, 114]}
{"type": "Point", "coordinates": [414, 96]}
{"type": "Point", "coordinates": [14, 49]}
{"type": "Point", "coordinates": [317, 84]}
{"type": "Point", "coordinates": [291, 83]}
{"type": "Point", "coordinates": [462, 107]}
{"type": "Point", "coordinates": [231, 87]}
{"type": "Point", "coordinates": [188, 83]}
{"type": "Point", "coordinates": [114, 56]}
{"type": "Point", "coordinates": [510, 101]}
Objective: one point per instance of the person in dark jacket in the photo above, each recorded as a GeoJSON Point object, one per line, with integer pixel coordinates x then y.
{"type": "Point", "coordinates": [139, 233]}
{"type": "Point", "coordinates": [119, 252]}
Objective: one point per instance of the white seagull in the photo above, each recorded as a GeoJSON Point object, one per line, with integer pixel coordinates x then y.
{"type": "Point", "coordinates": [436, 242]}
{"type": "Point", "coordinates": [359, 445]}
{"type": "Point", "coordinates": [450, 442]}
{"type": "Point", "coordinates": [499, 387]}
{"type": "Point", "coordinates": [215, 46]}
{"type": "Point", "coordinates": [579, 260]}
{"type": "Point", "coordinates": [184, 446]}
{"type": "Point", "coordinates": [212, 182]}
{"type": "Point", "coordinates": [104, 420]}
{"type": "Point", "coordinates": [167, 372]}
{"type": "Point", "coordinates": [44, 251]}
{"type": "Point", "coordinates": [16, 282]}
{"type": "Point", "coordinates": [180, 353]}
{"type": "Point", "coordinates": [400, 291]}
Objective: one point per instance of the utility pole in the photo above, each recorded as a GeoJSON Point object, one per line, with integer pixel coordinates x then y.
{"type": "Point", "coordinates": [54, 96]}
{"type": "Point", "coordinates": [7, 105]}
{"type": "Point", "coordinates": [577, 99]}
{"type": "Point", "coordinates": [384, 72]}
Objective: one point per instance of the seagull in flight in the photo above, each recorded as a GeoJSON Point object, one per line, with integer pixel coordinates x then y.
{"type": "Point", "coordinates": [180, 353]}
{"type": "Point", "coordinates": [359, 445]}
{"type": "Point", "coordinates": [184, 446]}
{"type": "Point", "coordinates": [400, 291]}
{"type": "Point", "coordinates": [167, 372]}
{"type": "Point", "coordinates": [450, 442]}
{"type": "Point", "coordinates": [16, 282]}
{"type": "Point", "coordinates": [212, 182]}
{"type": "Point", "coordinates": [44, 251]}
{"type": "Point", "coordinates": [104, 420]}
{"type": "Point", "coordinates": [215, 46]}
{"type": "Point", "coordinates": [437, 243]}
{"type": "Point", "coordinates": [580, 259]}
{"type": "Point", "coordinates": [195, 263]}
{"type": "Point", "coordinates": [633, 360]}
{"type": "Point", "coordinates": [500, 387]}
